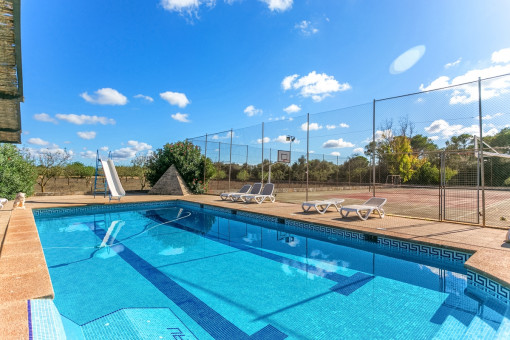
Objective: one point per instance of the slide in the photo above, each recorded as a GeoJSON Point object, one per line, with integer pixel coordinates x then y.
{"type": "Point", "coordinates": [116, 189]}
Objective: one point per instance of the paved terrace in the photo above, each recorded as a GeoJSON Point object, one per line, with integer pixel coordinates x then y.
{"type": "Point", "coordinates": [24, 274]}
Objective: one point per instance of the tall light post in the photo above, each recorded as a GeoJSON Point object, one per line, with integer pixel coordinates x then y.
{"type": "Point", "coordinates": [290, 139]}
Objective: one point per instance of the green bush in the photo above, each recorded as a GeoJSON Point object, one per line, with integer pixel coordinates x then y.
{"type": "Point", "coordinates": [17, 172]}
{"type": "Point", "coordinates": [189, 163]}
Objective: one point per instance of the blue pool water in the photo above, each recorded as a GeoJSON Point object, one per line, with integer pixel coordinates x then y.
{"type": "Point", "coordinates": [179, 272]}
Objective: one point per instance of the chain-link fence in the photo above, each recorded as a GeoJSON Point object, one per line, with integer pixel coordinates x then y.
{"type": "Point", "coordinates": [421, 151]}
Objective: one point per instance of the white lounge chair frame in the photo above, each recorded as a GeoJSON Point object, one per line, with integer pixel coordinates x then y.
{"type": "Point", "coordinates": [323, 206]}
{"type": "Point", "coordinates": [373, 204]}
{"type": "Point", "coordinates": [267, 193]}
{"type": "Point", "coordinates": [2, 202]}
{"type": "Point", "coordinates": [226, 195]}
{"type": "Point", "coordinates": [255, 190]}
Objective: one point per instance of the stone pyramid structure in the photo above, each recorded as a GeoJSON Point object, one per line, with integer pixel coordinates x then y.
{"type": "Point", "coordinates": [171, 183]}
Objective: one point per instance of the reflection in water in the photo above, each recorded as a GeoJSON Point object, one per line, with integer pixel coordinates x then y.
{"type": "Point", "coordinates": [74, 227]}
{"type": "Point", "coordinates": [170, 251]}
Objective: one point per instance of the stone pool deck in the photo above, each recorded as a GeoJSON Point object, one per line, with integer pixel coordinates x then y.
{"type": "Point", "coordinates": [24, 274]}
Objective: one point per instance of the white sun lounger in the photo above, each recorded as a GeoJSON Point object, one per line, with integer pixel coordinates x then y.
{"type": "Point", "coordinates": [226, 195]}
{"type": "Point", "coordinates": [322, 206]}
{"type": "Point", "coordinates": [2, 202]}
{"type": "Point", "coordinates": [255, 190]}
{"type": "Point", "coordinates": [267, 192]}
{"type": "Point", "coordinates": [375, 203]}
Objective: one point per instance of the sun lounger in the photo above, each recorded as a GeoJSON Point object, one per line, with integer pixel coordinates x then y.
{"type": "Point", "coordinates": [2, 202]}
{"type": "Point", "coordinates": [322, 206]}
{"type": "Point", "coordinates": [255, 190]}
{"type": "Point", "coordinates": [244, 190]}
{"type": "Point", "coordinates": [375, 203]}
{"type": "Point", "coordinates": [267, 193]}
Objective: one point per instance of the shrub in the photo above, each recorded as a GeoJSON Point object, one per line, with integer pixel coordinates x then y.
{"type": "Point", "coordinates": [188, 161]}
{"type": "Point", "coordinates": [17, 172]}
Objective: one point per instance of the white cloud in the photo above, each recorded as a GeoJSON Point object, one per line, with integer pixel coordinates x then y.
{"type": "Point", "coordinates": [266, 140]}
{"type": "Point", "coordinates": [181, 117]}
{"type": "Point", "coordinates": [337, 143]}
{"type": "Point", "coordinates": [343, 125]}
{"type": "Point", "coordinates": [306, 27]}
{"type": "Point", "coordinates": [86, 134]}
{"type": "Point", "coordinates": [104, 148]}
{"type": "Point", "coordinates": [314, 85]}
{"type": "Point", "coordinates": [251, 111]}
{"type": "Point", "coordinates": [407, 59]}
{"type": "Point", "coordinates": [175, 98]}
{"type": "Point", "coordinates": [131, 151]}
{"type": "Point", "coordinates": [501, 56]}
{"type": "Point", "coordinates": [53, 148]}
{"type": "Point", "coordinates": [455, 63]}
{"type": "Point", "coordinates": [358, 150]}
{"type": "Point", "coordinates": [444, 128]}
{"type": "Point", "coordinates": [189, 7]}
{"type": "Point", "coordinates": [147, 98]}
{"type": "Point", "coordinates": [105, 96]}
{"type": "Point", "coordinates": [433, 138]}
{"type": "Point", "coordinates": [225, 136]}
{"type": "Point", "coordinates": [278, 5]}
{"type": "Point", "coordinates": [468, 93]}
{"type": "Point", "coordinates": [287, 81]}
{"type": "Point", "coordinates": [44, 117]}
{"type": "Point", "coordinates": [329, 127]}
{"type": "Point", "coordinates": [84, 119]}
{"type": "Point", "coordinates": [293, 108]}
{"type": "Point", "coordinates": [283, 139]}
{"type": "Point", "coordinates": [37, 141]}
{"type": "Point", "coordinates": [88, 154]}
{"type": "Point", "coordinates": [313, 126]}
{"type": "Point", "coordinates": [335, 153]}
{"type": "Point", "coordinates": [487, 117]}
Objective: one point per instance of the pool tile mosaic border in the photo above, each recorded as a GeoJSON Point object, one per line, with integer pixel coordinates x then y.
{"type": "Point", "coordinates": [489, 286]}
{"type": "Point", "coordinates": [483, 283]}
{"type": "Point", "coordinates": [44, 320]}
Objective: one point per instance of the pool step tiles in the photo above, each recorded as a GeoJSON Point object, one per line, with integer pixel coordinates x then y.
{"type": "Point", "coordinates": [138, 323]}
{"type": "Point", "coordinates": [44, 321]}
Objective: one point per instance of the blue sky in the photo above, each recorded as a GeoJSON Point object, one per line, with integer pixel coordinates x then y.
{"type": "Point", "coordinates": [130, 76]}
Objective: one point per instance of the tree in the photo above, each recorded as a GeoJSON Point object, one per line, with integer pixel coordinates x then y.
{"type": "Point", "coordinates": [243, 175]}
{"type": "Point", "coordinates": [140, 165]}
{"type": "Point", "coordinates": [422, 144]}
{"type": "Point", "coordinates": [51, 165]}
{"type": "Point", "coordinates": [17, 172]}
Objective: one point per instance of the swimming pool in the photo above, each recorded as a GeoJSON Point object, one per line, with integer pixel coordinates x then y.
{"type": "Point", "coordinates": [181, 271]}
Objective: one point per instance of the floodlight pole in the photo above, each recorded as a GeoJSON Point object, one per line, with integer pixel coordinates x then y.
{"type": "Point", "coordinates": [481, 159]}
{"type": "Point", "coordinates": [230, 160]}
{"type": "Point", "coordinates": [262, 164]}
{"type": "Point", "coordinates": [307, 149]}
{"type": "Point", "coordinates": [373, 148]}
{"type": "Point", "coordinates": [205, 158]}
{"type": "Point", "coordinates": [290, 139]}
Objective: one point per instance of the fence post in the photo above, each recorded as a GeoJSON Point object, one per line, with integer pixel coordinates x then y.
{"type": "Point", "coordinates": [481, 149]}
{"type": "Point", "coordinates": [205, 158]}
{"type": "Point", "coordinates": [307, 149]}
{"type": "Point", "coordinates": [373, 149]}
{"type": "Point", "coordinates": [246, 157]}
{"type": "Point", "coordinates": [230, 161]}
{"type": "Point", "coordinates": [262, 164]}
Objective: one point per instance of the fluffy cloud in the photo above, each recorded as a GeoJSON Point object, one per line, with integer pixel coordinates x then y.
{"type": "Point", "coordinates": [337, 143]}
{"type": "Point", "coordinates": [266, 140]}
{"type": "Point", "coordinates": [37, 141]}
{"type": "Point", "coordinates": [278, 5]}
{"type": "Point", "coordinates": [343, 125]}
{"type": "Point", "coordinates": [189, 7]}
{"type": "Point", "coordinates": [306, 27]}
{"type": "Point", "coordinates": [147, 98]}
{"type": "Point", "coordinates": [44, 117]}
{"type": "Point", "coordinates": [313, 126]}
{"type": "Point", "coordinates": [225, 136]}
{"type": "Point", "coordinates": [455, 63]}
{"type": "Point", "coordinates": [181, 117]}
{"type": "Point", "coordinates": [53, 148]}
{"type": "Point", "coordinates": [84, 119]}
{"type": "Point", "coordinates": [331, 127]}
{"type": "Point", "coordinates": [444, 128]}
{"type": "Point", "coordinates": [468, 93]}
{"type": "Point", "coordinates": [501, 56]}
{"type": "Point", "coordinates": [87, 134]}
{"type": "Point", "coordinates": [131, 150]}
{"type": "Point", "coordinates": [488, 117]}
{"type": "Point", "coordinates": [251, 111]}
{"type": "Point", "coordinates": [88, 154]}
{"type": "Point", "coordinates": [105, 96]}
{"type": "Point", "coordinates": [175, 98]}
{"type": "Point", "coordinates": [358, 150]}
{"type": "Point", "coordinates": [315, 85]}
{"type": "Point", "coordinates": [335, 153]}
{"type": "Point", "coordinates": [283, 139]}
{"type": "Point", "coordinates": [103, 148]}
{"type": "Point", "coordinates": [293, 108]}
